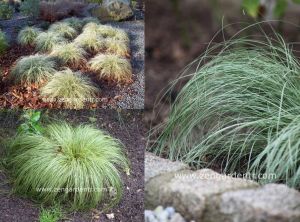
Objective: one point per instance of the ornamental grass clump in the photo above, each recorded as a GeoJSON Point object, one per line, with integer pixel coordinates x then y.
{"type": "Point", "coordinates": [64, 29]}
{"type": "Point", "coordinates": [240, 111]}
{"type": "Point", "coordinates": [87, 20]}
{"type": "Point", "coordinates": [111, 67]}
{"type": "Point", "coordinates": [117, 47]}
{"type": "Point", "coordinates": [107, 31]}
{"type": "Point", "coordinates": [33, 69]}
{"type": "Point", "coordinates": [69, 54]}
{"type": "Point", "coordinates": [70, 88]}
{"type": "Point", "coordinates": [28, 35]}
{"type": "Point", "coordinates": [91, 42]}
{"type": "Point", "coordinates": [74, 22]}
{"type": "Point", "coordinates": [78, 166]}
{"type": "Point", "coordinates": [121, 36]}
{"type": "Point", "coordinates": [47, 40]}
{"type": "Point", "coordinates": [3, 42]}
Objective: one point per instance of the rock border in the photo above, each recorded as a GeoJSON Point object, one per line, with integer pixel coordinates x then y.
{"type": "Point", "coordinates": [207, 196]}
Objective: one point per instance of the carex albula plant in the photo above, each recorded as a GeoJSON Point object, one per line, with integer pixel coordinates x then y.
{"type": "Point", "coordinates": [73, 89]}
{"type": "Point", "coordinates": [111, 67]}
{"type": "Point", "coordinates": [27, 36]}
{"type": "Point", "coordinates": [79, 166]}
{"type": "Point", "coordinates": [240, 111]}
{"type": "Point", "coordinates": [45, 41]}
{"type": "Point", "coordinates": [33, 69]}
{"type": "Point", "coordinates": [69, 54]}
{"type": "Point", "coordinates": [64, 29]}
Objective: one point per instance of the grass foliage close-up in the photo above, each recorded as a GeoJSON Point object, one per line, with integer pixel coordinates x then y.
{"type": "Point", "coordinates": [33, 69]}
{"type": "Point", "coordinates": [64, 29]}
{"type": "Point", "coordinates": [28, 35]}
{"type": "Point", "coordinates": [239, 111]}
{"type": "Point", "coordinates": [47, 40]}
{"type": "Point", "coordinates": [117, 47]}
{"type": "Point", "coordinates": [73, 89]}
{"type": "Point", "coordinates": [90, 41]}
{"type": "Point", "coordinates": [112, 67]}
{"type": "Point", "coordinates": [69, 54]}
{"type": "Point", "coordinates": [78, 166]}
{"type": "Point", "coordinates": [3, 42]}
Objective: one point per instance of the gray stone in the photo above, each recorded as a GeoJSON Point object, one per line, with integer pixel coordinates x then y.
{"type": "Point", "coordinates": [177, 218]}
{"type": "Point", "coordinates": [271, 203]}
{"type": "Point", "coordinates": [113, 10]}
{"type": "Point", "coordinates": [189, 192]}
{"type": "Point", "coordinates": [155, 166]}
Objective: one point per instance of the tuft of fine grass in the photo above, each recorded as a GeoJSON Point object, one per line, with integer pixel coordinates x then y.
{"type": "Point", "coordinates": [87, 20]}
{"type": "Point", "coordinates": [33, 69]}
{"type": "Point", "coordinates": [28, 35]}
{"type": "Point", "coordinates": [90, 41]}
{"type": "Point", "coordinates": [47, 40]}
{"type": "Point", "coordinates": [71, 88]}
{"type": "Point", "coordinates": [81, 163]}
{"type": "Point", "coordinates": [121, 36]}
{"type": "Point", "coordinates": [3, 42]}
{"type": "Point", "coordinates": [74, 22]}
{"type": "Point", "coordinates": [69, 54]}
{"type": "Point", "coordinates": [51, 215]}
{"type": "Point", "coordinates": [107, 31]}
{"type": "Point", "coordinates": [63, 29]}
{"type": "Point", "coordinates": [241, 111]}
{"type": "Point", "coordinates": [117, 47]}
{"type": "Point", "coordinates": [111, 67]}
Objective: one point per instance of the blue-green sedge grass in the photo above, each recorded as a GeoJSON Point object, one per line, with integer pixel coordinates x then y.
{"type": "Point", "coordinates": [239, 110]}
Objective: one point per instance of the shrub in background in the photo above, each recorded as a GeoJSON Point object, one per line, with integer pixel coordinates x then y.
{"type": "Point", "coordinates": [73, 89]}
{"type": "Point", "coordinates": [3, 42]}
{"type": "Point", "coordinates": [69, 54]}
{"type": "Point", "coordinates": [6, 10]}
{"type": "Point", "coordinates": [240, 111]}
{"type": "Point", "coordinates": [68, 158]}
{"type": "Point", "coordinates": [63, 29]}
{"type": "Point", "coordinates": [28, 35]}
{"type": "Point", "coordinates": [47, 40]}
{"type": "Point", "coordinates": [33, 69]}
{"type": "Point", "coordinates": [53, 11]}
{"type": "Point", "coordinates": [111, 67]}
{"type": "Point", "coordinates": [30, 8]}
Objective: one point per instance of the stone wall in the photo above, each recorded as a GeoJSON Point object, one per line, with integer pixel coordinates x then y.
{"type": "Point", "coordinates": [207, 196]}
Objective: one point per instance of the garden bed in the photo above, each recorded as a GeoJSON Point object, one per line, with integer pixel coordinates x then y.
{"type": "Point", "coordinates": [125, 125]}
{"type": "Point", "coordinates": [111, 94]}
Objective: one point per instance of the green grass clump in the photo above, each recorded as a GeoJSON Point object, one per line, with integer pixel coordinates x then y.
{"type": "Point", "coordinates": [241, 111]}
{"type": "Point", "coordinates": [73, 89]}
{"type": "Point", "coordinates": [74, 22]}
{"type": "Point", "coordinates": [64, 29]}
{"type": "Point", "coordinates": [111, 67]}
{"type": "Point", "coordinates": [107, 31]}
{"type": "Point", "coordinates": [90, 41]}
{"type": "Point", "coordinates": [33, 69]}
{"type": "Point", "coordinates": [69, 54]}
{"type": "Point", "coordinates": [3, 42]}
{"type": "Point", "coordinates": [117, 47]}
{"type": "Point", "coordinates": [121, 36]}
{"type": "Point", "coordinates": [47, 40]}
{"type": "Point", "coordinates": [28, 35]}
{"type": "Point", "coordinates": [81, 163]}
{"type": "Point", "coordinates": [50, 215]}
{"type": "Point", "coordinates": [87, 20]}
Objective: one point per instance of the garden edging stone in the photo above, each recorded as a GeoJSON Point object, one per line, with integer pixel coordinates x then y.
{"type": "Point", "coordinates": [207, 196]}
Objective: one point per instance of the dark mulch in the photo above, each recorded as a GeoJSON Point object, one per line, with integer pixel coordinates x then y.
{"type": "Point", "coordinates": [124, 125]}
